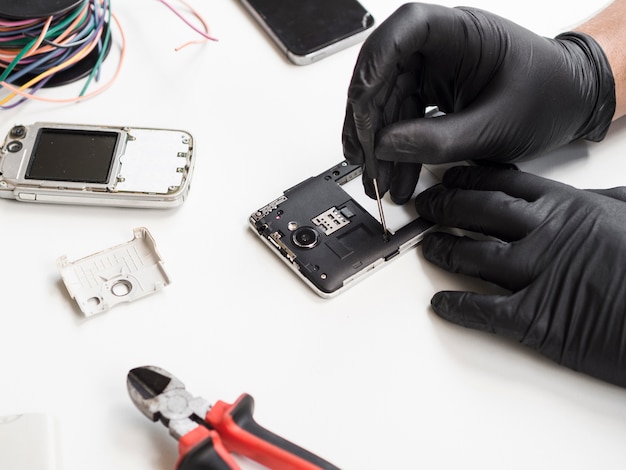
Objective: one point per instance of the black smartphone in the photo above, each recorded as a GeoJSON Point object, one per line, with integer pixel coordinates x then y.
{"type": "Point", "coordinates": [308, 30]}
{"type": "Point", "coordinates": [325, 230]}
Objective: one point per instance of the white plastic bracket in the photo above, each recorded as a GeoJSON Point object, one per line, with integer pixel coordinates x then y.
{"type": "Point", "coordinates": [123, 273]}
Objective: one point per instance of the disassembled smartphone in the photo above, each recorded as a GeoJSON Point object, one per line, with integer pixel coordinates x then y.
{"type": "Point", "coordinates": [328, 237]}
{"type": "Point", "coordinates": [308, 30]}
{"type": "Point", "coordinates": [96, 165]}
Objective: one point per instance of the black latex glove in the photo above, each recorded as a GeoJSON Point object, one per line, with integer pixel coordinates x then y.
{"type": "Point", "coordinates": [561, 252]}
{"type": "Point", "coordinates": [507, 92]}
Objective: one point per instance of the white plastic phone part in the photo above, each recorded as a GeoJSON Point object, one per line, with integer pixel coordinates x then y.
{"type": "Point", "coordinates": [29, 441]}
{"type": "Point", "coordinates": [119, 274]}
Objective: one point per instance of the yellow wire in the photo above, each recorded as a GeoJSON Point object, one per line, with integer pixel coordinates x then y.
{"type": "Point", "coordinates": [9, 55]}
{"type": "Point", "coordinates": [33, 81]}
{"type": "Point", "coordinates": [20, 91]}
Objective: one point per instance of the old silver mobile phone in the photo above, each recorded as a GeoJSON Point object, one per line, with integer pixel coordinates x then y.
{"type": "Point", "coordinates": [96, 165]}
{"type": "Point", "coordinates": [325, 230]}
{"type": "Point", "coordinates": [308, 30]}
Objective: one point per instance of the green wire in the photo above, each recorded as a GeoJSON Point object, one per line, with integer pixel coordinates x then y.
{"type": "Point", "coordinates": [32, 42]}
{"type": "Point", "coordinates": [101, 56]}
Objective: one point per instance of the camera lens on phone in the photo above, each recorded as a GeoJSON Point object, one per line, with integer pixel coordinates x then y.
{"type": "Point", "coordinates": [305, 237]}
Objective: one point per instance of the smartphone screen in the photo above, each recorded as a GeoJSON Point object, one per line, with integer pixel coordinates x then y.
{"type": "Point", "coordinates": [307, 30]}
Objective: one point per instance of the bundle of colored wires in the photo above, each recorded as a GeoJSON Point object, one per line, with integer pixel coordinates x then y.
{"type": "Point", "coordinates": [41, 51]}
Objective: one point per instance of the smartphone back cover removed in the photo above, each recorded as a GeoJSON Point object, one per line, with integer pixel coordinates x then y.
{"type": "Point", "coordinates": [326, 236]}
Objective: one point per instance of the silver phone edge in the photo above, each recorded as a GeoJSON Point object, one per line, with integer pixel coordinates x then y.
{"type": "Point", "coordinates": [313, 56]}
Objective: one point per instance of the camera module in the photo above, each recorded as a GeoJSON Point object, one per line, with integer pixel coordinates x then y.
{"type": "Point", "coordinates": [305, 237]}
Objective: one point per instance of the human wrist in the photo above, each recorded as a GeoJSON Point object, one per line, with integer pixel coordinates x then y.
{"type": "Point", "coordinates": [597, 83]}
{"type": "Point", "coordinates": [608, 29]}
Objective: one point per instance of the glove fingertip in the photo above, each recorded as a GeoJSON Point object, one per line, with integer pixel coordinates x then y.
{"type": "Point", "coordinates": [404, 181]}
{"type": "Point", "coordinates": [437, 248]}
{"type": "Point", "coordinates": [436, 302]}
{"type": "Point", "coordinates": [399, 199]}
{"type": "Point", "coordinates": [424, 201]}
{"type": "Point", "coordinates": [352, 152]}
{"type": "Point", "coordinates": [460, 308]}
{"type": "Point", "coordinates": [441, 306]}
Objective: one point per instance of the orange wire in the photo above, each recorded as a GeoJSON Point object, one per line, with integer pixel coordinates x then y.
{"type": "Point", "coordinates": [199, 17]}
{"type": "Point", "coordinates": [78, 57]}
{"type": "Point", "coordinates": [41, 37]}
{"type": "Point", "coordinates": [20, 90]}
{"type": "Point", "coordinates": [84, 12]}
{"type": "Point", "coordinates": [9, 55]}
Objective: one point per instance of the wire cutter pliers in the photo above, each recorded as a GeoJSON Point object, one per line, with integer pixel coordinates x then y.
{"type": "Point", "coordinates": [207, 434]}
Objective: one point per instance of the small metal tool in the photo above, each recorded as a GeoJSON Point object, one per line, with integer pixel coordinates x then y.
{"type": "Point", "coordinates": [208, 433]}
{"type": "Point", "coordinates": [380, 210]}
{"type": "Point", "coordinates": [366, 137]}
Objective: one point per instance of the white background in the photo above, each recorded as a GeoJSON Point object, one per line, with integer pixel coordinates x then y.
{"type": "Point", "coordinates": [371, 379]}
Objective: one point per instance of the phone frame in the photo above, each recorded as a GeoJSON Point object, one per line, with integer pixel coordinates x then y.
{"type": "Point", "coordinates": [148, 167]}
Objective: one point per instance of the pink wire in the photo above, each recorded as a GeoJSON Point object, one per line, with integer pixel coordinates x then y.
{"type": "Point", "coordinates": [10, 24]}
{"type": "Point", "coordinates": [18, 91]}
{"type": "Point", "coordinates": [204, 34]}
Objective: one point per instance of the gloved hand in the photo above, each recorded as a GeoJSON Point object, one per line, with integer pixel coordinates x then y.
{"type": "Point", "coordinates": [561, 252]}
{"type": "Point", "coordinates": [507, 93]}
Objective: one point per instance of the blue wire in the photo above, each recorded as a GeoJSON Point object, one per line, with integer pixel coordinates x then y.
{"type": "Point", "coordinates": [93, 25]}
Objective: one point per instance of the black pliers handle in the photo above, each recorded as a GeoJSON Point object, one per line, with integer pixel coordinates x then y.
{"type": "Point", "coordinates": [208, 434]}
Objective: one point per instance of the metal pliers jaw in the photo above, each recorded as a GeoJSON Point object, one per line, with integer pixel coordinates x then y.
{"type": "Point", "coordinates": [161, 396]}
{"type": "Point", "coordinates": [208, 434]}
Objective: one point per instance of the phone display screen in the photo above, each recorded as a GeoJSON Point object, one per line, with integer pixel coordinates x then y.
{"type": "Point", "coordinates": [80, 156]}
{"type": "Point", "coordinates": [305, 26]}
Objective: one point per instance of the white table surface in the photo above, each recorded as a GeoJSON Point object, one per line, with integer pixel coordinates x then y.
{"type": "Point", "coordinates": [371, 379]}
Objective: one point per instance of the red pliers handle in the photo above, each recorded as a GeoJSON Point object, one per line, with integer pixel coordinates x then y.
{"type": "Point", "coordinates": [233, 429]}
{"type": "Point", "coordinates": [208, 434]}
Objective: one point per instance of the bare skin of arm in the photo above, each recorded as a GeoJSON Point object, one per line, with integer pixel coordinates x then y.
{"type": "Point", "coordinates": [608, 28]}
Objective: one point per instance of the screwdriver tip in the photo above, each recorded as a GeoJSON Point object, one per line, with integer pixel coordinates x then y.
{"type": "Point", "coordinates": [386, 233]}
